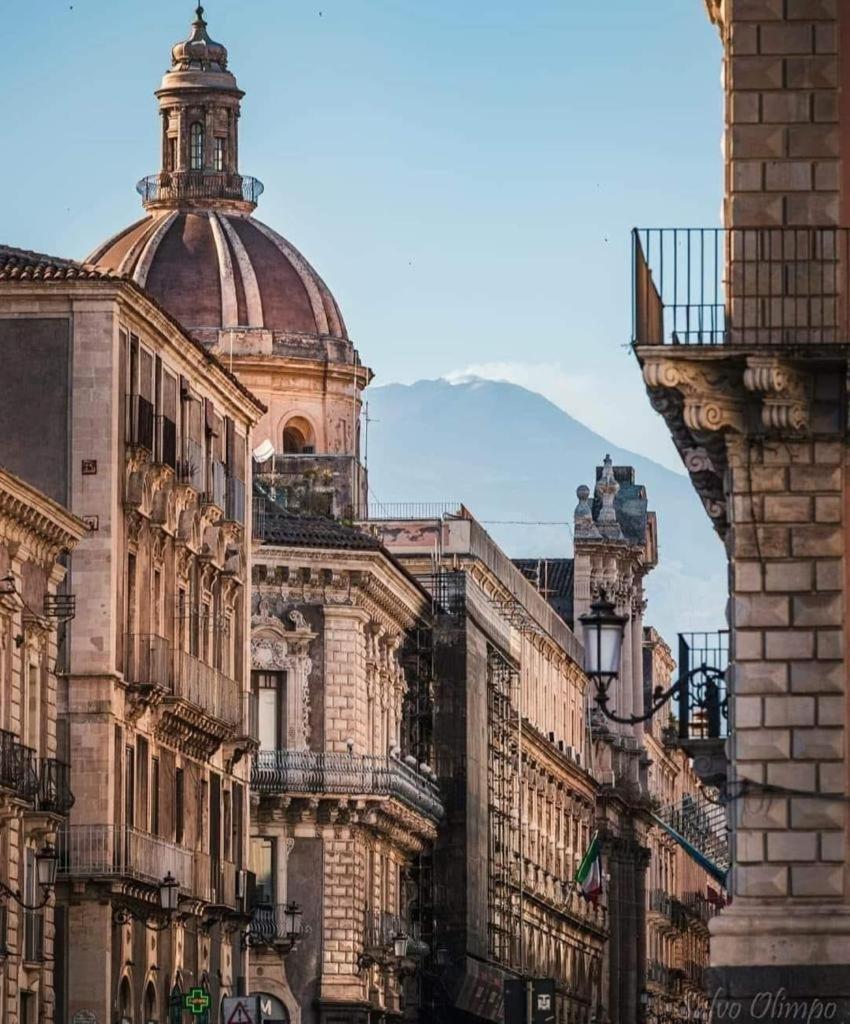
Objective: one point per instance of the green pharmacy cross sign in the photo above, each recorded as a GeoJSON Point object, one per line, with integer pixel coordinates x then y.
{"type": "Point", "coordinates": [197, 1002]}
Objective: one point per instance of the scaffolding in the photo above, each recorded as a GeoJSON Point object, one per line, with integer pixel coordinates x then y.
{"type": "Point", "coordinates": [504, 868]}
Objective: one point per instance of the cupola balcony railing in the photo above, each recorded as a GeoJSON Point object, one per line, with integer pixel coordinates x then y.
{"type": "Point", "coordinates": [740, 286]}
{"type": "Point", "coordinates": [307, 772]}
{"type": "Point", "coordinates": [180, 185]}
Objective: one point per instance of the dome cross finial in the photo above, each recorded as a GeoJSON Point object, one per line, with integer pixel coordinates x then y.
{"type": "Point", "coordinates": [199, 11]}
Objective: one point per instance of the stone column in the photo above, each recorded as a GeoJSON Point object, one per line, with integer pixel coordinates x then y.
{"type": "Point", "coordinates": [345, 678]}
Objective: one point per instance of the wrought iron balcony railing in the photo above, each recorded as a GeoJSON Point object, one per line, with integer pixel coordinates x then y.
{"type": "Point", "coordinates": [54, 786]}
{"type": "Point", "coordinates": [307, 772]}
{"type": "Point", "coordinates": [146, 660]}
{"type": "Point", "coordinates": [740, 286]}
{"type": "Point", "coordinates": [177, 185]}
{"type": "Point", "coordinates": [703, 660]}
{"type": "Point", "coordinates": [215, 693]}
{"type": "Point", "coordinates": [18, 767]}
{"type": "Point", "coordinates": [96, 851]}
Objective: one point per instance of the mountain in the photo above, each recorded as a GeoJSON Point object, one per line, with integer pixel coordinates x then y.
{"type": "Point", "coordinates": [510, 454]}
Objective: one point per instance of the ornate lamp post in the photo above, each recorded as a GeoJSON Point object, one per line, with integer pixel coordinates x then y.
{"type": "Point", "coordinates": [46, 862]}
{"type": "Point", "coordinates": [162, 917]}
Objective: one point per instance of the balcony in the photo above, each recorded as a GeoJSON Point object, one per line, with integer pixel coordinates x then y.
{"type": "Point", "coordinates": [146, 660]}
{"type": "Point", "coordinates": [168, 188]}
{"type": "Point", "coordinates": [107, 851]}
{"type": "Point", "coordinates": [18, 768]}
{"type": "Point", "coordinates": [316, 484]}
{"type": "Point", "coordinates": [305, 772]}
{"type": "Point", "coordinates": [740, 286]}
{"type": "Point", "coordinates": [54, 787]}
{"type": "Point", "coordinates": [703, 660]}
{"type": "Point", "coordinates": [211, 692]}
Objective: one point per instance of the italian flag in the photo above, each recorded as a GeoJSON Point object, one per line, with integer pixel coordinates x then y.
{"type": "Point", "coordinates": [589, 874]}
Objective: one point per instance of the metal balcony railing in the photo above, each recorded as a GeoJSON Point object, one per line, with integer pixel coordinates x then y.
{"type": "Point", "coordinates": [214, 693]}
{"type": "Point", "coordinates": [18, 767]}
{"type": "Point", "coordinates": [740, 286]}
{"type": "Point", "coordinates": [703, 660]}
{"type": "Point", "coordinates": [268, 925]}
{"type": "Point", "coordinates": [169, 186]}
{"type": "Point", "coordinates": [94, 851]}
{"type": "Point", "coordinates": [414, 510]}
{"type": "Point", "coordinates": [379, 928]}
{"type": "Point", "coordinates": [146, 660]}
{"type": "Point", "coordinates": [54, 786]}
{"type": "Point", "coordinates": [305, 771]}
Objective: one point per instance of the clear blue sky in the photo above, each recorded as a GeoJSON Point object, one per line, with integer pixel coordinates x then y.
{"type": "Point", "coordinates": [464, 174]}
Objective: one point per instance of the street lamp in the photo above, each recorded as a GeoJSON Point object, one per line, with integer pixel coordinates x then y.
{"type": "Point", "coordinates": [46, 862]}
{"type": "Point", "coordinates": [168, 894]}
{"type": "Point", "coordinates": [292, 922]}
{"type": "Point", "coordinates": [603, 641]}
{"type": "Point", "coordinates": [169, 898]}
{"type": "Point", "coordinates": [400, 944]}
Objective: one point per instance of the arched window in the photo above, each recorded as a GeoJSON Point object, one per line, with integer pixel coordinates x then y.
{"type": "Point", "coordinates": [125, 1001]}
{"type": "Point", "coordinates": [298, 437]}
{"type": "Point", "coordinates": [196, 146]}
{"type": "Point", "coordinates": [151, 1015]}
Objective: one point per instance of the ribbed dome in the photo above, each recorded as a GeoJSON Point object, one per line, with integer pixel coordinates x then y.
{"type": "Point", "coordinates": [199, 52]}
{"type": "Point", "coordinates": [214, 269]}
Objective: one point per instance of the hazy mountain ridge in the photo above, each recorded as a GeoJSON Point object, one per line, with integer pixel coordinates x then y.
{"type": "Point", "coordinates": [511, 454]}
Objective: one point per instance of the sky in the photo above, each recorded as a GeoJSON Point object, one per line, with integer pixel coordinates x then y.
{"type": "Point", "coordinates": [463, 174]}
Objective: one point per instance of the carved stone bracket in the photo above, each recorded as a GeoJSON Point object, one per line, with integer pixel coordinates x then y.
{"type": "Point", "coordinates": [712, 397]}
{"type": "Point", "coordinates": [785, 392]}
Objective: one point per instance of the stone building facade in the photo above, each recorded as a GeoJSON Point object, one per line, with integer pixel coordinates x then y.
{"type": "Point", "coordinates": [754, 397]}
{"type": "Point", "coordinates": [347, 805]}
{"type": "Point", "coordinates": [146, 437]}
{"type": "Point", "coordinates": [35, 796]}
{"type": "Point", "coordinates": [512, 754]}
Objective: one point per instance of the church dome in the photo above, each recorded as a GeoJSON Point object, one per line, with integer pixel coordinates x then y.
{"type": "Point", "coordinates": [199, 251]}
{"type": "Point", "coordinates": [216, 269]}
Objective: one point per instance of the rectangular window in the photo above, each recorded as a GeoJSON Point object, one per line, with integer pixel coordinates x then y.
{"type": "Point", "coordinates": [168, 417]}
{"type": "Point", "coordinates": [155, 796]}
{"type": "Point", "coordinates": [238, 823]}
{"type": "Point", "coordinates": [270, 688]}
{"type": "Point", "coordinates": [179, 806]}
{"type": "Point", "coordinates": [172, 154]}
{"type": "Point", "coordinates": [129, 787]}
{"type": "Point", "coordinates": [262, 864]}
{"type": "Point", "coordinates": [227, 825]}
{"type": "Point", "coordinates": [144, 782]}
{"type": "Point", "coordinates": [220, 145]}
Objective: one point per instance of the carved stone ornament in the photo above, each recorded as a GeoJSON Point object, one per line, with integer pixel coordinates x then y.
{"type": "Point", "coordinates": [713, 399]}
{"type": "Point", "coordinates": [583, 517]}
{"type": "Point", "coordinates": [785, 392]}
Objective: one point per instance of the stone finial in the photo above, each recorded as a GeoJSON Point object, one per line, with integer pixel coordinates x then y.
{"type": "Point", "coordinates": [606, 490]}
{"type": "Point", "coordinates": [583, 518]}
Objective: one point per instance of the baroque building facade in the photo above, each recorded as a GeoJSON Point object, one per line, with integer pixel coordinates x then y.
{"type": "Point", "coordinates": [512, 754]}
{"type": "Point", "coordinates": [347, 804]}
{"type": "Point", "coordinates": [146, 436]}
{"type": "Point", "coordinates": [749, 375]}
{"type": "Point", "coordinates": [36, 533]}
